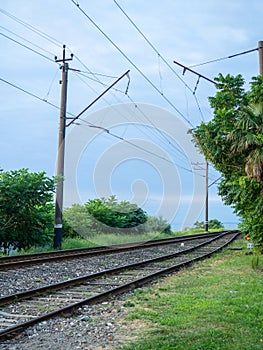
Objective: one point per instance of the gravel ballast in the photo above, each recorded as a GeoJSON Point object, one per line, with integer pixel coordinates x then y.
{"type": "Point", "coordinates": [96, 327]}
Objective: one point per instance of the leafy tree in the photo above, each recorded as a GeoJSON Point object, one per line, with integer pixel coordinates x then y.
{"type": "Point", "coordinates": [213, 224]}
{"type": "Point", "coordinates": [77, 221]}
{"type": "Point", "coordinates": [103, 215]}
{"type": "Point", "coordinates": [157, 224]}
{"type": "Point", "coordinates": [110, 215]}
{"type": "Point", "coordinates": [233, 142]}
{"type": "Point", "coordinates": [26, 209]}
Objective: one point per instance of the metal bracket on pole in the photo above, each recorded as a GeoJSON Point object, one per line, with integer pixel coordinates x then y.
{"type": "Point", "coordinates": [194, 72]}
{"type": "Point", "coordinates": [96, 99]}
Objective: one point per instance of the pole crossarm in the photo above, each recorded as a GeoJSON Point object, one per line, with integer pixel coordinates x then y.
{"type": "Point", "coordinates": [64, 59]}
{"type": "Point", "coordinates": [97, 98]}
{"type": "Point", "coordinates": [194, 72]}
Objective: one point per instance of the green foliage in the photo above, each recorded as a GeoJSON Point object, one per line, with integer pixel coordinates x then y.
{"type": "Point", "coordinates": [108, 216]}
{"type": "Point", "coordinates": [233, 142]}
{"type": "Point", "coordinates": [77, 221]}
{"type": "Point", "coordinates": [157, 224]}
{"type": "Point", "coordinates": [103, 215]}
{"type": "Point", "coordinates": [26, 209]}
{"type": "Point", "coordinates": [76, 243]}
{"type": "Point", "coordinates": [212, 224]}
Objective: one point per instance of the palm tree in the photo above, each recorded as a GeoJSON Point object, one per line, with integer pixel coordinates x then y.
{"type": "Point", "coordinates": [247, 140]}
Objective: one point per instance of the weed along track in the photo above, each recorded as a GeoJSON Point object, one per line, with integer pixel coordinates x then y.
{"type": "Point", "coordinates": [36, 275]}
{"type": "Point", "coordinates": [20, 261]}
{"type": "Point", "coordinates": [21, 310]}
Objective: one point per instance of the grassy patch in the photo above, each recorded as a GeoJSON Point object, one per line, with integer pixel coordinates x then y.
{"type": "Point", "coordinates": [105, 239]}
{"type": "Point", "coordinates": [217, 304]}
{"type": "Point", "coordinates": [75, 243]}
{"type": "Point", "coordinates": [109, 239]}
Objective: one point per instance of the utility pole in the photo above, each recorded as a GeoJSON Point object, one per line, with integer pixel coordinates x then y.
{"type": "Point", "coordinates": [61, 151]}
{"type": "Point", "coordinates": [206, 197]}
{"type": "Point", "coordinates": [260, 55]}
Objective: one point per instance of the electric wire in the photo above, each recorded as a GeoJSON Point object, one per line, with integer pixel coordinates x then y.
{"type": "Point", "coordinates": [136, 105]}
{"type": "Point", "coordinates": [100, 75]}
{"type": "Point", "coordinates": [224, 58]}
{"type": "Point", "coordinates": [154, 131]}
{"type": "Point", "coordinates": [160, 57]}
{"type": "Point", "coordinates": [80, 73]}
{"type": "Point", "coordinates": [95, 126]}
{"type": "Point", "coordinates": [56, 42]}
{"type": "Point", "coordinates": [152, 46]}
{"type": "Point", "coordinates": [161, 136]}
{"type": "Point", "coordinates": [28, 41]}
{"type": "Point", "coordinates": [32, 28]}
{"type": "Point", "coordinates": [28, 48]}
{"type": "Point", "coordinates": [158, 131]}
{"type": "Point", "coordinates": [137, 146]}
{"type": "Point", "coordinates": [53, 40]}
{"type": "Point", "coordinates": [29, 93]}
{"type": "Point", "coordinates": [51, 84]}
{"type": "Point", "coordinates": [131, 62]}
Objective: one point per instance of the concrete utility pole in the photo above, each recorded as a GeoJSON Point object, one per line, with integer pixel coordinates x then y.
{"type": "Point", "coordinates": [206, 197]}
{"type": "Point", "coordinates": [61, 151]}
{"type": "Point", "coordinates": [260, 55]}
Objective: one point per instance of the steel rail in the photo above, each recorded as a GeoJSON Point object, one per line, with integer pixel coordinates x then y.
{"type": "Point", "coordinates": [82, 279]}
{"type": "Point", "coordinates": [38, 258]}
{"type": "Point", "coordinates": [115, 290]}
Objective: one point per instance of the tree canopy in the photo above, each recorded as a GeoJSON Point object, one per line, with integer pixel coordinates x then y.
{"type": "Point", "coordinates": [212, 224]}
{"type": "Point", "coordinates": [103, 215]}
{"type": "Point", "coordinates": [26, 209]}
{"type": "Point", "coordinates": [233, 142]}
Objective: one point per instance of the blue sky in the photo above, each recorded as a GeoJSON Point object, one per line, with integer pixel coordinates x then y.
{"type": "Point", "coordinates": [161, 174]}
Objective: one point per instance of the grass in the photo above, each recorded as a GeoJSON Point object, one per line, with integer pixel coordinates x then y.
{"type": "Point", "coordinates": [109, 239]}
{"type": "Point", "coordinates": [106, 239]}
{"type": "Point", "coordinates": [217, 304]}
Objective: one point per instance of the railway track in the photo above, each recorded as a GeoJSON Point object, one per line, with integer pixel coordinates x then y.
{"type": "Point", "coordinates": [18, 261]}
{"type": "Point", "coordinates": [21, 310]}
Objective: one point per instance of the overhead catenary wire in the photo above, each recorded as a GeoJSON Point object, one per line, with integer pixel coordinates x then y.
{"type": "Point", "coordinates": [99, 74]}
{"type": "Point", "coordinates": [132, 101]}
{"type": "Point", "coordinates": [137, 146]}
{"type": "Point", "coordinates": [150, 129]}
{"type": "Point", "coordinates": [155, 130]}
{"type": "Point", "coordinates": [131, 62]}
{"type": "Point", "coordinates": [27, 47]}
{"type": "Point", "coordinates": [162, 136]}
{"type": "Point", "coordinates": [151, 45]}
{"type": "Point", "coordinates": [85, 109]}
{"type": "Point", "coordinates": [160, 57]}
{"type": "Point", "coordinates": [95, 75]}
{"type": "Point", "coordinates": [29, 93]}
{"type": "Point", "coordinates": [53, 40]}
{"type": "Point", "coordinates": [32, 28]}
{"type": "Point", "coordinates": [224, 58]}
{"type": "Point", "coordinates": [93, 125]}
{"type": "Point", "coordinates": [28, 41]}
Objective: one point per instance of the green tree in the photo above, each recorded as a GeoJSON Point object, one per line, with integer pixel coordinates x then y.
{"type": "Point", "coordinates": [233, 142]}
{"type": "Point", "coordinates": [26, 209]}
{"type": "Point", "coordinates": [103, 215]}
{"type": "Point", "coordinates": [110, 215]}
{"type": "Point", "coordinates": [77, 221]}
{"type": "Point", "coordinates": [157, 224]}
{"type": "Point", "coordinates": [213, 224]}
